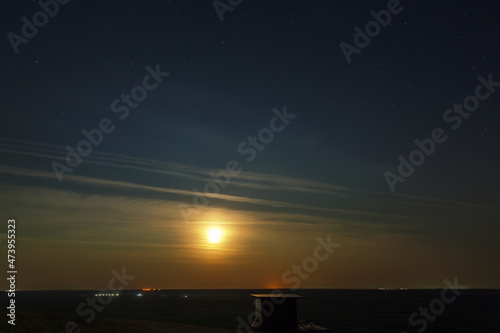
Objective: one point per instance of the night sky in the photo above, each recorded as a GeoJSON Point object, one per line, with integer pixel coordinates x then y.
{"type": "Point", "coordinates": [310, 133]}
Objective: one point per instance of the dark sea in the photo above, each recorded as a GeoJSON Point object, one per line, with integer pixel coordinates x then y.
{"type": "Point", "coordinates": [339, 310]}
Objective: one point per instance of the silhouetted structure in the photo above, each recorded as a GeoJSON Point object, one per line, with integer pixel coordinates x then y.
{"type": "Point", "coordinates": [276, 312]}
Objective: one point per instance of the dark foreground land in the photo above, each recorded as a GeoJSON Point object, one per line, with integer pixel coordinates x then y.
{"type": "Point", "coordinates": [217, 311]}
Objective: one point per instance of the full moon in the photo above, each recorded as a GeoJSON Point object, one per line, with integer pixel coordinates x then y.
{"type": "Point", "coordinates": [214, 235]}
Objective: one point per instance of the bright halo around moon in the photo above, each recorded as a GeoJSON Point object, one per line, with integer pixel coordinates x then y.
{"type": "Point", "coordinates": [214, 235]}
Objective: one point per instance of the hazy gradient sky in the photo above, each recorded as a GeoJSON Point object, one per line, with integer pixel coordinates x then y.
{"type": "Point", "coordinates": [322, 174]}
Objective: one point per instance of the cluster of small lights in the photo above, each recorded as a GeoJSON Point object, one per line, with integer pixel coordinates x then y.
{"type": "Point", "coordinates": [107, 294]}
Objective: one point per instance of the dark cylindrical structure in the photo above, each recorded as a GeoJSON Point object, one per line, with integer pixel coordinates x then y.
{"type": "Point", "coordinates": [276, 312]}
